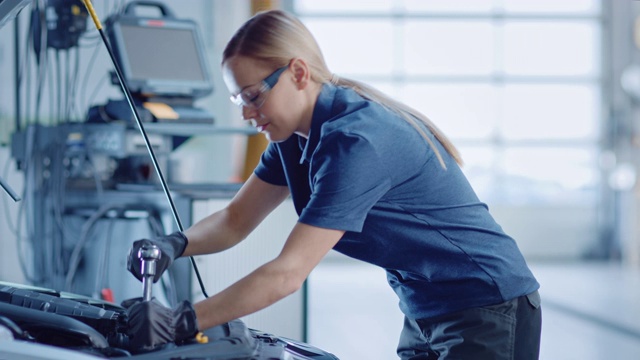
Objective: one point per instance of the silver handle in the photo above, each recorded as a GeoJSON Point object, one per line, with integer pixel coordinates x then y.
{"type": "Point", "coordinates": [148, 255]}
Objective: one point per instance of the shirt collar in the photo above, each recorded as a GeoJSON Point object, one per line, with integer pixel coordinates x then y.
{"type": "Point", "coordinates": [321, 113]}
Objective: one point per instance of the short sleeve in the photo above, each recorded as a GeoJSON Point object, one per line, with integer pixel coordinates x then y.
{"type": "Point", "coordinates": [270, 168]}
{"type": "Point", "coordinates": [347, 180]}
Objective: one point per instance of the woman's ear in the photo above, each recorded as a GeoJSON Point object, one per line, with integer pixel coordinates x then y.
{"type": "Point", "coordinates": [301, 73]}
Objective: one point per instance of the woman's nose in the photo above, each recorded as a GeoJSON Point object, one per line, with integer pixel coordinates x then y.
{"type": "Point", "coordinates": [248, 113]}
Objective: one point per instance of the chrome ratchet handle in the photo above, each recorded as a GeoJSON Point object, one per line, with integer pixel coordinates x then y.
{"type": "Point", "coordinates": [148, 256]}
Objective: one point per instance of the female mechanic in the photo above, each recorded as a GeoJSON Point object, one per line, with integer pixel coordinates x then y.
{"type": "Point", "coordinates": [370, 178]}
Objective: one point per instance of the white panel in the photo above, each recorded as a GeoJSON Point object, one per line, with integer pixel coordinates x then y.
{"type": "Point", "coordinates": [364, 46]}
{"type": "Point", "coordinates": [532, 176]}
{"type": "Point", "coordinates": [552, 48]}
{"type": "Point", "coordinates": [351, 6]}
{"type": "Point", "coordinates": [548, 232]}
{"type": "Point", "coordinates": [448, 47]}
{"type": "Point", "coordinates": [551, 112]}
{"type": "Point", "coordinates": [552, 6]}
{"type": "Point", "coordinates": [461, 111]}
{"type": "Point", "coordinates": [218, 271]}
{"type": "Point", "coordinates": [458, 6]}
{"type": "Point", "coordinates": [556, 171]}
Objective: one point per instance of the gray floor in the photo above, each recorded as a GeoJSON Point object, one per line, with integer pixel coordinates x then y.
{"type": "Point", "coordinates": [590, 311]}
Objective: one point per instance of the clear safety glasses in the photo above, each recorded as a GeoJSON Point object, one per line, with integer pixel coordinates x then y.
{"type": "Point", "coordinates": [254, 96]}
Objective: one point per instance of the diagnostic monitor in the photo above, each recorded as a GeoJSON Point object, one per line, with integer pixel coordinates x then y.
{"type": "Point", "coordinates": [160, 57]}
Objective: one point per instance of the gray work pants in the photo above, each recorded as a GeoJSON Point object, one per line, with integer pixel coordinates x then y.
{"type": "Point", "coordinates": [506, 331]}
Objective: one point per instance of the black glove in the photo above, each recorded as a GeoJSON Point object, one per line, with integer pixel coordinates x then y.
{"type": "Point", "coordinates": [150, 324]}
{"type": "Point", "coordinates": [171, 246]}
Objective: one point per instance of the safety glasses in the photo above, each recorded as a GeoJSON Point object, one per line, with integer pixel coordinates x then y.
{"type": "Point", "coordinates": [254, 96]}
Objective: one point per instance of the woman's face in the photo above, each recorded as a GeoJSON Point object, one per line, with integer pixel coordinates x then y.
{"type": "Point", "coordinates": [277, 109]}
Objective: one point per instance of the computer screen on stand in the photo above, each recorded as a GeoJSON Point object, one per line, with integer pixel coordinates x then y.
{"type": "Point", "coordinates": [160, 57]}
{"type": "Point", "coordinates": [163, 63]}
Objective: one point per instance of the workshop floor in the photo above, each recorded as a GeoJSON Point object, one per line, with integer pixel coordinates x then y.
{"type": "Point", "coordinates": [591, 311]}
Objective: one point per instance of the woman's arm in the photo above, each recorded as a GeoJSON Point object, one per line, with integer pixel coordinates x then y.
{"type": "Point", "coordinates": [303, 250]}
{"type": "Point", "coordinates": [227, 227]}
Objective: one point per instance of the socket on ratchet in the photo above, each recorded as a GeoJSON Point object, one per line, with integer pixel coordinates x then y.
{"type": "Point", "coordinates": [148, 255]}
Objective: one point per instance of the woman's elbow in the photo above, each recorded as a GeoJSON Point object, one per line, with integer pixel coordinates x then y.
{"type": "Point", "coordinates": [293, 285]}
{"type": "Point", "coordinates": [289, 281]}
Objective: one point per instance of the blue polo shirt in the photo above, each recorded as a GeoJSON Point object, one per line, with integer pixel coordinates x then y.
{"type": "Point", "coordinates": [365, 170]}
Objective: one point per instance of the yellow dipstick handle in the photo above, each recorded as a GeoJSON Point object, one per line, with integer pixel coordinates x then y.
{"type": "Point", "coordinates": [202, 338]}
{"type": "Point", "coordinates": [92, 12]}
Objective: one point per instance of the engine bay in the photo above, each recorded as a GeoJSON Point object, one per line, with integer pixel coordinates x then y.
{"type": "Point", "coordinates": [96, 329]}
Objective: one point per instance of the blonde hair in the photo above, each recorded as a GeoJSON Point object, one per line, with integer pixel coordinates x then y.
{"type": "Point", "coordinates": [275, 37]}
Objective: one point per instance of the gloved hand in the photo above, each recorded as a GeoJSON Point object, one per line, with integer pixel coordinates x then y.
{"type": "Point", "coordinates": [171, 247]}
{"type": "Point", "coordinates": [150, 324]}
